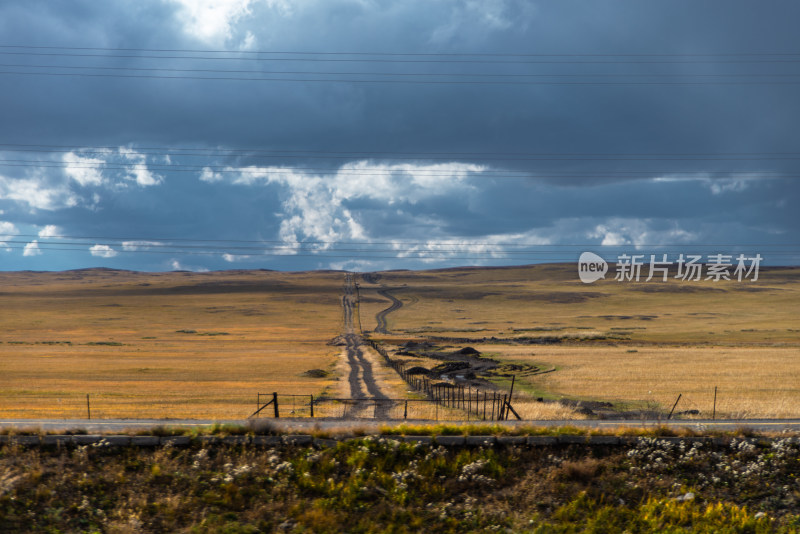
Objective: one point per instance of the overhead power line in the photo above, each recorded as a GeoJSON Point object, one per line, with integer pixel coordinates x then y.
{"type": "Point", "coordinates": [367, 57]}
{"type": "Point", "coordinates": [397, 248]}
{"type": "Point", "coordinates": [469, 250]}
{"type": "Point", "coordinates": [248, 151]}
{"type": "Point", "coordinates": [421, 173]}
{"type": "Point", "coordinates": [362, 53]}
{"type": "Point", "coordinates": [460, 254]}
{"type": "Point", "coordinates": [259, 243]}
{"type": "Point", "coordinates": [422, 82]}
{"type": "Point", "coordinates": [146, 65]}
{"type": "Point", "coordinates": [405, 74]}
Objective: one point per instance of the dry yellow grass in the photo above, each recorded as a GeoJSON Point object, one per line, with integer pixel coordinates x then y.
{"type": "Point", "coordinates": [202, 345]}
{"type": "Point", "coordinates": [637, 344]}
{"type": "Point", "coordinates": [163, 345]}
{"type": "Point", "coordinates": [549, 300]}
{"type": "Point", "coordinates": [752, 381]}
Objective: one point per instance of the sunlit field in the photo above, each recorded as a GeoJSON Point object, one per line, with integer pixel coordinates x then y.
{"type": "Point", "coordinates": [751, 381]}
{"type": "Point", "coordinates": [203, 345]}
{"type": "Point", "coordinates": [163, 345]}
{"type": "Point", "coordinates": [549, 301]}
{"type": "Point", "coordinates": [638, 345]}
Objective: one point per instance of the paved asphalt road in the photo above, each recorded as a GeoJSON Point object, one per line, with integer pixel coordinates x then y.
{"type": "Point", "coordinates": [105, 425]}
{"type": "Point", "coordinates": [300, 425]}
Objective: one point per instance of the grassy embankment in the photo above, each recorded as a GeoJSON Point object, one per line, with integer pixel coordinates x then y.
{"type": "Point", "coordinates": [383, 485]}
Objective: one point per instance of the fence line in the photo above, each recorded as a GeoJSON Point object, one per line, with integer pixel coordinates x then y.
{"type": "Point", "coordinates": [275, 405]}
{"type": "Point", "coordinates": [457, 396]}
{"type": "Point", "coordinates": [443, 401]}
{"type": "Point", "coordinates": [103, 405]}
{"type": "Point", "coordinates": [442, 404]}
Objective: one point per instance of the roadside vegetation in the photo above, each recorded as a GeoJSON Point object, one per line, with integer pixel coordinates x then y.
{"type": "Point", "coordinates": [380, 484]}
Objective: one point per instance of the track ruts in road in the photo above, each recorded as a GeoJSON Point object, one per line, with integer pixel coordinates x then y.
{"type": "Point", "coordinates": [380, 317]}
{"type": "Point", "coordinates": [361, 376]}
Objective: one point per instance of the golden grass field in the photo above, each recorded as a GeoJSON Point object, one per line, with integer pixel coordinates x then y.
{"type": "Point", "coordinates": [549, 300]}
{"type": "Point", "coordinates": [634, 344]}
{"type": "Point", "coordinates": [202, 345]}
{"type": "Point", "coordinates": [751, 381]}
{"type": "Point", "coordinates": [163, 345]}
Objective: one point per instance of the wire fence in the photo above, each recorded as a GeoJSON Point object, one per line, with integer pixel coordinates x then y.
{"type": "Point", "coordinates": [487, 404]}
{"type": "Point", "coordinates": [73, 405]}
{"type": "Point", "coordinates": [475, 407]}
{"type": "Point", "coordinates": [254, 405]}
{"type": "Point", "coordinates": [443, 403]}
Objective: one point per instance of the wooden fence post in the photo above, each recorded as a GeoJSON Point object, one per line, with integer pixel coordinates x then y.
{"type": "Point", "coordinates": [714, 413]}
{"type": "Point", "coordinates": [673, 406]}
{"type": "Point", "coordinates": [275, 401]}
{"type": "Point", "coordinates": [88, 408]}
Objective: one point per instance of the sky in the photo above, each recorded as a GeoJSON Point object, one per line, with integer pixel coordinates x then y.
{"type": "Point", "coordinates": [201, 135]}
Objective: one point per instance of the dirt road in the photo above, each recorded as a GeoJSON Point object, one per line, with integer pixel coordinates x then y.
{"type": "Point", "coordinates": [361, 378]}
{"type": "Point", "coordinates": [380, 317]}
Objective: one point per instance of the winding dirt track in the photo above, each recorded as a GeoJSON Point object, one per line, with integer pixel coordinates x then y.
{"type": "Point", "coordinates": [380, 317]}
{"type": "Point", "coordinates": [361, 376]}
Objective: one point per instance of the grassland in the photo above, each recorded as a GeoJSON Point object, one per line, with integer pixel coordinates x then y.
{"type": "Point", "coordinates": [163, 345]}
{"type": "Point", "coordinates": [550, 301]}
{"type": "Point", "coordinates": [203, 344]}
{"type": "Point", "coordinates": [633, 344]}
{"type": "Point", "coordinates": [751, 381]}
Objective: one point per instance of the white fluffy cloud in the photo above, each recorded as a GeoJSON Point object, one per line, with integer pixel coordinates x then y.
{"type": "Point", "coordinates": [92, 171]}
{"type": "Point", "coordinates": [618, 231]}
{"type": "Point", "coordinates": [315, 205]}
{"type": "Point", "coordinates": [32, 249]}
{"type": "Point", "coordinates": [210, 176]}
{"type": "Point", "coordinates": [138, 170]}
{"type": "Point", "coordinates": [232, 258]}
{"type": "Point", "coordinates": [485, 248]}
{"type": "Point", "coordinates": [102, 251]}
{"type": "Point", "coordinates": [7, 232]}
{"type": "Point", "coordinates": [210, 21]}
{"type": "Point", "coordinates": [84, 170]}
{"type": "Point", "coordinates": [51, 230]}
{"type": "Point", "coordinates": [133, 246]}
{"type": "Point", "coordinates": [38, 191]}
{"type": "Point", "coordinates": [8, 228]}
{"type": "Point", "coordinates": [76, 178]}
{"type": "Point", "coordinates": [176, 265]}
{"type": "Point", "coordinates": [718, 185]}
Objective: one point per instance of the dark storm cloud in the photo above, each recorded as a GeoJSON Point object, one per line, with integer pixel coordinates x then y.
{"type": "Point", "coordinates": [485, 118]}
{"type": "Point", "coordinates": [703, 196]}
